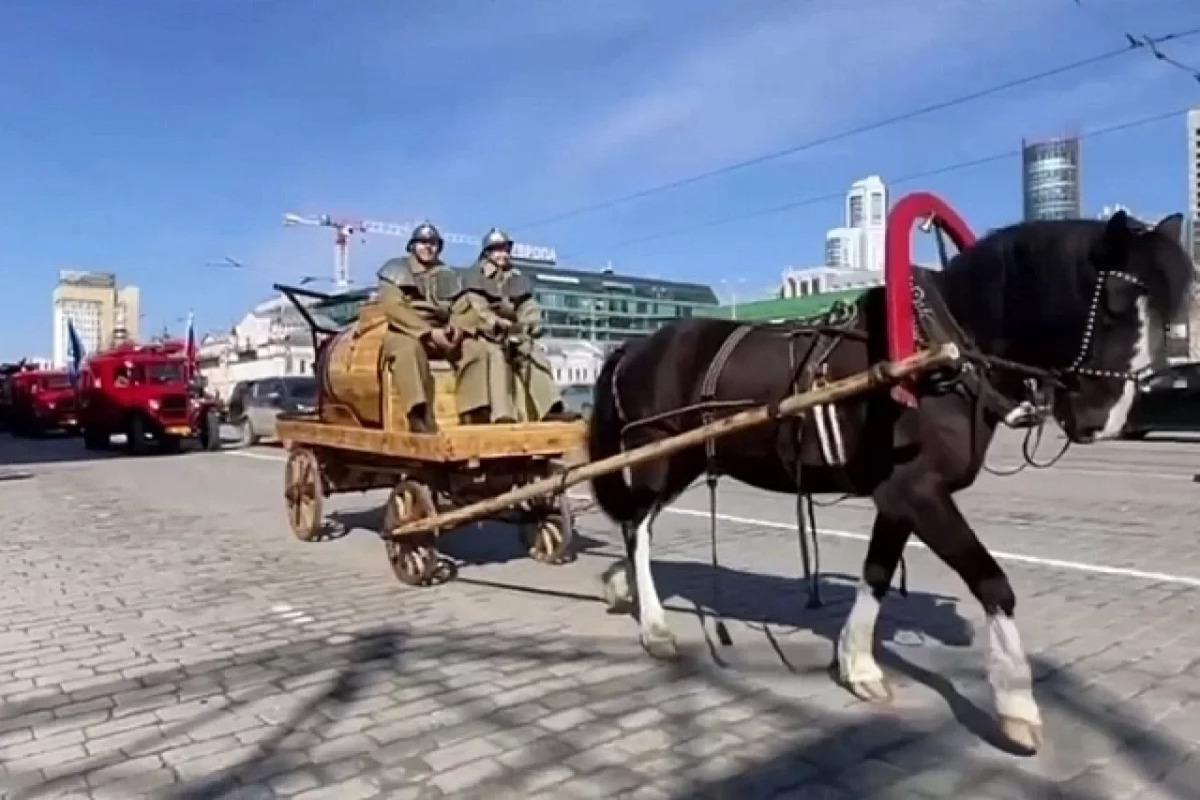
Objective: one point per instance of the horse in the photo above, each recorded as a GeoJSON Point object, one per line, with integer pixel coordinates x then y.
{"type": "Point", "coordinates": [1069, 312]}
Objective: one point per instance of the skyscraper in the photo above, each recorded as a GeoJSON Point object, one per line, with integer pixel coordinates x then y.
{"type": "Point", "coordinates": [1193, 149]}
{"type": "Point", "coordinates": [1050, 179]}
{"type": "Point", "coordinates": [859, 243]}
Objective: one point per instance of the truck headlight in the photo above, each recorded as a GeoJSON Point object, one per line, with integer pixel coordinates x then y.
{"type": "Point", "coordinates": [153, 403]}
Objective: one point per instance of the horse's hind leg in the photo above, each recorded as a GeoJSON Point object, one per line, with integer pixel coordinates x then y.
{"type": "Point", "coordinates": [656, 634]}
{"type": "Point", "coordinates": [855, 661]}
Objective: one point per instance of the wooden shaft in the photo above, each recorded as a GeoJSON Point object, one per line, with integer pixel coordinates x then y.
{"type": "Point", "coordinates": [883, 373]}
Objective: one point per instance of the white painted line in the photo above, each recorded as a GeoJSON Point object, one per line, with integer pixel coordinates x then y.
{"type": "Point", "coordinates": [1057, 563]}
{"type": "Point", "coordinates": [1020, 558]}
{"type": "Point", "coordinates": [259, 456]}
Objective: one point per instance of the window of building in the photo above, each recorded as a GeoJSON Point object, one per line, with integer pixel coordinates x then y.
{"type": "Point", "coordinates": [855, 218]}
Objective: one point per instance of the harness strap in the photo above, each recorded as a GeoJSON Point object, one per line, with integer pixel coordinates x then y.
{"type": "Point", "coordinates": [708, 389]}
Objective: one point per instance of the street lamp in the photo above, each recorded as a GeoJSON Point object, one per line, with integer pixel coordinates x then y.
{"type": "Point", "coordinates": [732, 294]}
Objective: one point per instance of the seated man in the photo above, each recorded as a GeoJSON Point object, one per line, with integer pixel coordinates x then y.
{"type": "Point", "coordinates": [416, 294]}
{"type": "Point", "coordinates": [508, 379]}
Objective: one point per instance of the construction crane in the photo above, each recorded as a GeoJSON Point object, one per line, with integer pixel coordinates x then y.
{"type": "Point", "coordinates": [345, 228]}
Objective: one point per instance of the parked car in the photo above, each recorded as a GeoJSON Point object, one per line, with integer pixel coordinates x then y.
{"type": "Point", "coordinates": [579, 397]}
{"type": "Point", "coordinates": [253, 405]}
{"type": "Point", "coordinates": [1167, 400]}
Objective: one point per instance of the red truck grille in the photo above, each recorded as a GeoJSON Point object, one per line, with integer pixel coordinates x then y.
{"type": "Point", "coordinates": [173, 405]}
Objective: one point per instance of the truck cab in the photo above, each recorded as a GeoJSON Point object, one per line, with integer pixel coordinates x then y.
{"type": "Point", "coordinates": [41, 401]}
{"type": "Point", "coordinates": [142, 391]}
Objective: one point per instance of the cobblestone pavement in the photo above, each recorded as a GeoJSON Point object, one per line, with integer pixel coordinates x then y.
{"type": "Point", "coordinates": [164, 635]}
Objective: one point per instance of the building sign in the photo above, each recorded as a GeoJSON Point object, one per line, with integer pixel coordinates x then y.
{"type": "Point", "coordinates": [529, 252]}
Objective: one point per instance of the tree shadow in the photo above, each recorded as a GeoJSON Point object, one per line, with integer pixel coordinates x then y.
{"type": "Point", "coordinates": [823, 754]}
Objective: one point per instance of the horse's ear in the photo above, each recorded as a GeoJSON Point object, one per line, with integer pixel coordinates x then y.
{"type": "Point", "coordinates": [1113, 247]}
{"type": "Point", "coordinates": [1171, 227]}
{"type": "Point", "coordinates": [1117, 229]}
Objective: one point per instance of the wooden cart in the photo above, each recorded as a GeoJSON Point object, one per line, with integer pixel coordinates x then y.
{"type": "Point", "coordinates": [430, 473]}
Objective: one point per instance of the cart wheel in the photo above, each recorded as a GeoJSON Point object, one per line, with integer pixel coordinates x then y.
{"type": "Point", "coordinates": [549, 540]}
{"type": "Point", "coordinates": [303, 493]}
{"type": "Point", "coordinates": [414, 559]}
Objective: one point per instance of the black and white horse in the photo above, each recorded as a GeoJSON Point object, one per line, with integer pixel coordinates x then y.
{"type": "Point", "coordinates": [1081, 304]}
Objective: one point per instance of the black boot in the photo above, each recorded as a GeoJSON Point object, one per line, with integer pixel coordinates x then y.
{"type": "Point", "coordinates": [476, 416]}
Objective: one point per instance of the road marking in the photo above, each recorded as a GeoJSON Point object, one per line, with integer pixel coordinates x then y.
{"type": "Point", "coordinates": [1019, 558]}
{"type": "Point", "coordinates": [259, 456]}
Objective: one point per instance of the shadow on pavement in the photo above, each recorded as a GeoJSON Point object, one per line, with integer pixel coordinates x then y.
{"type": "Point", "coordinates": [379, 703]}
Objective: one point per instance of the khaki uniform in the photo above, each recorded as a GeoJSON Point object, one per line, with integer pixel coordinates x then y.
{"type": "Point", "coordinates": [501, 362]}
{"type": "Point", "coordinates": [415, 299]}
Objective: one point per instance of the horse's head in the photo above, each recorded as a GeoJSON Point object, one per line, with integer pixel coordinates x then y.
{"type": "Point", "coordinates": [1130, 281]}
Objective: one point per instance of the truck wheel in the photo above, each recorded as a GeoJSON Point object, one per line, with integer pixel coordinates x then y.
{"type": "Point", "coordinates": [210, 432]}
{"type": "Point", "coordinates": [247, 435]}
{"type": "Point", "coordinates": [135, 433]}
{"type": "Point", "coordinates": [94, 439]}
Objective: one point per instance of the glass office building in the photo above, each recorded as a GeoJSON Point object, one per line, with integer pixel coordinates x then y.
{"type": "Point", "coordinates": [1050, 179]}
{"type": "Point", "coordinates": [582, 304]}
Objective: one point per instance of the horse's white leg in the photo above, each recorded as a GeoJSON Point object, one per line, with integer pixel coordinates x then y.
{"type": "Point", "coordinates": [656, 634]}
{"type": "Point", "coordinates": [1012, 682]}
{"type": "Point", "coordinates": [856, 665]}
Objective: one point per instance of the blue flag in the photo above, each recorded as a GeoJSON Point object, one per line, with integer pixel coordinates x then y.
{"type": "Point", "coordinates": [75, 350]}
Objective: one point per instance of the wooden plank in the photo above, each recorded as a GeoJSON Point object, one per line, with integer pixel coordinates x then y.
{"type": "Point", "coordinates": [885, 373]}
{"type": "Point", "coordinates": [460, 443]}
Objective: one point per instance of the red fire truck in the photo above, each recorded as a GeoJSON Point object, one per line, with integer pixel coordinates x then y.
{"type": "Point", "coordinates": [144, 392]}
{"type": "Point", "coordinates": [40, 401]}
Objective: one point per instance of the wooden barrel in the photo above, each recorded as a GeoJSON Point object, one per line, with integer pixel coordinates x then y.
{"type": "Point", "coordinates": [350, 372]}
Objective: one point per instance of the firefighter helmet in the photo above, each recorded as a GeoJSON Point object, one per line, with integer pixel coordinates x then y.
{"type": "Point", "coordinates": [425, 232]}
{"type": "Point", "coordinates": [496, 238]}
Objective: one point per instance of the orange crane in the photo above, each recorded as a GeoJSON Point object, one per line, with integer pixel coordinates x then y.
{"type": "Point", "coordinates": [346, 228]}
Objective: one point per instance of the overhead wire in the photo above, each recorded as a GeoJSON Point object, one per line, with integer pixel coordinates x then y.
{"type": "Point", "coordinates": [1133, 44]}
{"type": "Point", "coordinates": [907, 178]}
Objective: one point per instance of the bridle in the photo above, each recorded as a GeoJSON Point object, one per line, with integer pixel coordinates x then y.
{"type": "Point", "coordinates": [1077, 366]}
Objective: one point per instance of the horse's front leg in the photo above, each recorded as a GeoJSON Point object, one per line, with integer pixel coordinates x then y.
{"type": "Point", "coordinates": [943, 528]}
{"type": "Point", "coordinates": [856, 665]}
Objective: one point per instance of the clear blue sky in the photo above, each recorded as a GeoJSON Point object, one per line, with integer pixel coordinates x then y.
{"type": "Point", "coordinates": [149, 138]}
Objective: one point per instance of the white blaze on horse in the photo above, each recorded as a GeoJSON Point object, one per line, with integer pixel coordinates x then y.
{"type": "Point", "coordinates": [1075, 309]}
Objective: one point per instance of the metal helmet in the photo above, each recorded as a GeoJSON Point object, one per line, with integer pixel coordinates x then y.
{"type": "Point", "coordinates": [495, 238]}
{"type": "Point", "coordinates": [425, 232]}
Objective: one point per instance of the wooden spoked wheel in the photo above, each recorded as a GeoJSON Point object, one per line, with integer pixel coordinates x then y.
{"type": "Point", "coordinates": [549, 540]}
{"type": "Point", "coordinates": [414, 559]}
{"type": "Point", "coordinates": [303, 493]}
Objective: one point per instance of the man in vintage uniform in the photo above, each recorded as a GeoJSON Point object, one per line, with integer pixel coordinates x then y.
{"type": "Point", "coordinates": [417, 294]}
{"type": "Point", "coordinates": [500, 320]}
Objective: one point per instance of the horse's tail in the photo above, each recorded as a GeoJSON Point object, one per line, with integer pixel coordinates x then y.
{"type": "Point", "coordinates": [604, 439]}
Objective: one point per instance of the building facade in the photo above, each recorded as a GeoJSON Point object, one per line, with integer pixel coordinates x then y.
{"type": "Point", "coordinates": [1050, 179]}
{"type": "Point", "coordinates": [807, 281]}
{"type": "Point", "coordinates": [102, 313]}
{"type": "Point", "coordinates": [271, 341]}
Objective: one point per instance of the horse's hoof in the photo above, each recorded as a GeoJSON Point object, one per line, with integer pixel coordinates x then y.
{"type": "Point", "coordinates": [879, 691]}
{"type": "Point", "coordinates": [662, 647]}
{"type": "Point", "coordinates": [1024, 734]}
